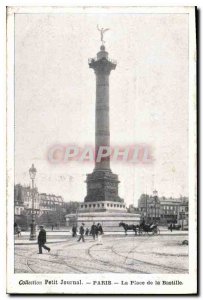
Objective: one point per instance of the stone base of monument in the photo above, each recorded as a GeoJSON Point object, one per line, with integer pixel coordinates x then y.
{"type": "Point", "coordinates": [108, 214]}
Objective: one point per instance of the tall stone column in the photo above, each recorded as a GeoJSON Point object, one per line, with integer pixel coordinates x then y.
{"type": "Point", "coordinates": [102, 184]}
{"type": "Point", "coordinates": [102, 67]}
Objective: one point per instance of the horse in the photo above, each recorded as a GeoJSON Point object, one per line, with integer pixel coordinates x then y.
{"type": "Point", "coordinates": [127, 227]}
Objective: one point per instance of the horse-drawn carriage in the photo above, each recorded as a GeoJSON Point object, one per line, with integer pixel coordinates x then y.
{"type": "Point", "coordinates": [142, 229]}
{"type": "Point", "coordinates": [150, 229]}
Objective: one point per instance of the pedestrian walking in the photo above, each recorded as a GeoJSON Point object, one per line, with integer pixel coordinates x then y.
{"type": "Point", "coordinates": [87, 231]}
{"type": "Point", "coordinates": [100, 233]}
{"type": "Point", "coordinates": [15, 227]}
{"type": "Point", "coordinates": [42, 240]}
{"type": "Point", "coordinates": [18, 230]}
{"type": "Point", "coordinates": [94, 231]}
{"type": "Point", "coordinates": [171, 227]}
{"type": "Point", "coordinates": [82, 231]}
{"type": "Point", "coordinates": [74, 230]}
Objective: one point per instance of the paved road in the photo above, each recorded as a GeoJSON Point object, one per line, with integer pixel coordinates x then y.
{"type": "Point", "coordinates": [60, 236]}
{"type": "Point", "coordinates": [143, 254]}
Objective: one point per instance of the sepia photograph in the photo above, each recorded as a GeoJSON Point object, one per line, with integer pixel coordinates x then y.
{"type": "Point", "coordinates": [101, 150]}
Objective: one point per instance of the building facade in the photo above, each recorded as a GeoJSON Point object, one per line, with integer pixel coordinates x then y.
{"type": "Point", "coordinates": [183, 215]}
{"type": "Point", "coordinates": [164, 210]}
{"type": "Point", "coordinates": [23, 200]}
{"type": "Point", "coordinates": [51, 203]}
{"type": "Point", "coordinates": [43, 203]}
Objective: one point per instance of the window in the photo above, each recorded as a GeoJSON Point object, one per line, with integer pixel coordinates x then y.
{"type": "Point", "coordinates": [111, 205]}
{"type": "Point", "coordinates": [114, 205]}
{"type": "Point", "coordinates": [120, 206]}
{"type": "Point", "coordinates": [90, 205]}
{"type": "Point", "coordinates": [81, 206]}
{"type": "Point", "coordinates": [123, 206]}
{"type": "Point", "coordinates": [107, 204]}
{"type": "Point", "coordinates": [94, 205]}
{"type": "Point", "coordinates": [98, 205]}
{"type": "Point", "coordinates": [102, 204]}
{"type": "Point", "coordinates": [85, 206]}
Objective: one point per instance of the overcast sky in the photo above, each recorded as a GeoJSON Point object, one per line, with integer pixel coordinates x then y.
{"type": "Point", "coordinates": [55, 98]}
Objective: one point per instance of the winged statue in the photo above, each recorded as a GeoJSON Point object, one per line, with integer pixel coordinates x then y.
{"type": "Point", "coordinates": [102, 31]}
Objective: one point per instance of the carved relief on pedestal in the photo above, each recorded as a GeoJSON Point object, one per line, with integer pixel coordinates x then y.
{"type": "Point", "coordinates": [102, 186]}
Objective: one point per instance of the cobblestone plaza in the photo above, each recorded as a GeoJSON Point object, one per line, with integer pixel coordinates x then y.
{"type": "Point", "coordinates": [123, 254]}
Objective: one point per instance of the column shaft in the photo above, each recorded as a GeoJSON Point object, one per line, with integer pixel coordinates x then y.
{"type": "Point", "coordinates": [102, 133]}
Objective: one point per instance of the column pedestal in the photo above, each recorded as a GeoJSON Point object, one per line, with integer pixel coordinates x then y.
{"type": "Point", "coordinates": [102, 185]}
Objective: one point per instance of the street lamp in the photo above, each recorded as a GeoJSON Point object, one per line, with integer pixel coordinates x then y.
{"type": "Point", "coordinates": [155, 196]}
{"type": "Point", "coordinates": [146, 208]}
{"type": "Point", "coordinates": [32, 172]}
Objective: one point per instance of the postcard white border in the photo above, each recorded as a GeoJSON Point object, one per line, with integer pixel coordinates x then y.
{"type": "Point", "coordinates": [189, 280]}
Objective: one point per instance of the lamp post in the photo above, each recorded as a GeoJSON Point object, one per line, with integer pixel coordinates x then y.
{"type": "Point", "coordinates": [146, 208]}
{"type": "Point", "coordinates": [155, 196]}
{"type": "Point", "coordinates": [32, 172]}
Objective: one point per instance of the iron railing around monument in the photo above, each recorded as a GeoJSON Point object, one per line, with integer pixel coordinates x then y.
{"type": "Point", "coordinates": [91, 60]}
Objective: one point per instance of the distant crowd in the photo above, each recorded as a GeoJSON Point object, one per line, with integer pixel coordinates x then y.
{"type": "Point", "coordinates": [96, 231]}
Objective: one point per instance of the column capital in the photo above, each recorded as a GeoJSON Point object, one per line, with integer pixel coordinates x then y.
{"type": "Point", "coordinates": [102, 65]}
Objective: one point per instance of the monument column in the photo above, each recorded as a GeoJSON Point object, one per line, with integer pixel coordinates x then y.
{"type": "Point", "coordinates": [102, 67]}
{"type": "Point", "coordinates": [102, 184]}
{"type": "Point", "coordinates": [102, 203]}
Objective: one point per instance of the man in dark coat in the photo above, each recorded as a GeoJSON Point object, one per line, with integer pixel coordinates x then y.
{"type": "Point", "coordinates": [99, 228]}
{"type": "Point", "coordinates": [87, 231]}
{"type": "Point", "coordinates": [42, 240]}
{"type": "Point", "coordinates": [171, 227]}
{"type": "Point", "coordinates": [100, 233]}
{"type": "Point", "coordinates": [94, 230]}
{"type": "Point", "coordinates": [74, 230]}
{"type": "Point", "coordinates": [82, 231]}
